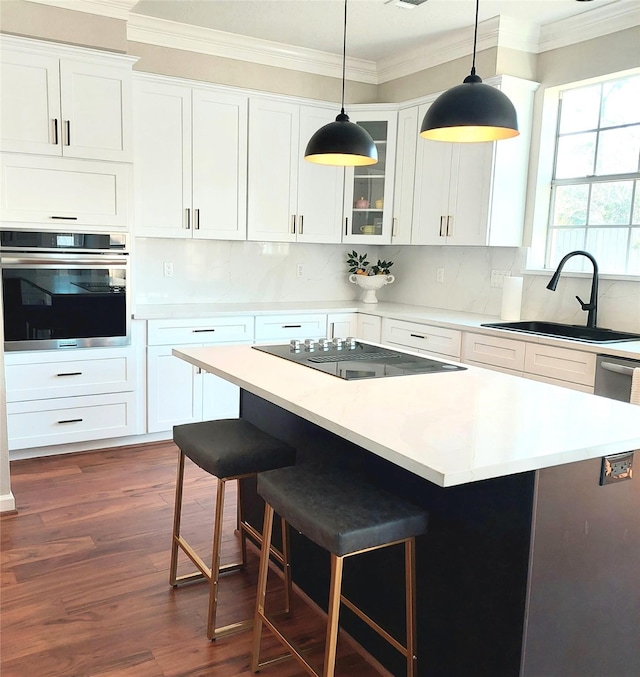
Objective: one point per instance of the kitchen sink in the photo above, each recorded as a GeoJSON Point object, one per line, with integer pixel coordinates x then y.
{"type": "Point", "coordinates": [566, 331]}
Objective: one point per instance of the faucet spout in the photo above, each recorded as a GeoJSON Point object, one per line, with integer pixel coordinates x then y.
{"type": "Point", "coordinates": [592, 306]}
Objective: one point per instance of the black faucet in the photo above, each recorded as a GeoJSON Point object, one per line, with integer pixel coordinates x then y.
{"type": "Point", "coordinates": [592, 306]}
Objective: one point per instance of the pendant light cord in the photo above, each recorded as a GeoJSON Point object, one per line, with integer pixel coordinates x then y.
{"type": "Point", "coordinates": [475, 39]}
{"type": "Point", "coordinates": [344, 55]}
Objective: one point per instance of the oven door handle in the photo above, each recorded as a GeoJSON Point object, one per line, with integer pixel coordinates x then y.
{"type": "Point", "coordinates": [94, 260]}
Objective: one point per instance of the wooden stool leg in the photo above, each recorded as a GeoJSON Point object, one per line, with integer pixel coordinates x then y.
{"type": "Point", "coordinates": [240, 520]}
{"type": "Point", "coordinates": [177, 510]}
{"type": "Point", "coordinates": [333, 616]}
{"type": "Point", "coordinates": [215, 560]}
{"type": "Point", "coordinates": [410, 582]}
{"type": "Point", "coordinates": [262, 586]}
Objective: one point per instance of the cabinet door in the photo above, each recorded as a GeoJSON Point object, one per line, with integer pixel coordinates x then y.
{"type": "Point", "coordinates": [30, 104]}
{"type": "Point", "coordinates": [431, 189]}
{"type": "Point", "coordinates": [162, 165]}
{"type": "Point", "coordinates": [273, 170]}
{"type": "Point", "coordinates": [58, 192]}
{"type": "Point", "coordinates": [219, 151]}
{"type": "Point", "coordinates": [320, 187]}
{"type": "Point", "coordinates": [341, 325]}
{"type": "Point", "coordinates": [96, 100]}
{"type": "Point", "coordinates": [174, 390]}
{"type": "Point", "coordinates": [220, 399]}
{"type": "Point", "coordinates": [368, 194]}
{"type": "Point", "coordinates": [408, 141]}
{"type": "Point", "coordinates": [369, 328]}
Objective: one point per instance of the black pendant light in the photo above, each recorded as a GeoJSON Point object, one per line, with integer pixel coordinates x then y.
{"type": "Point", "coordinates": [471, 111]}
{"type": "Point", "coordinates": [342, 142]}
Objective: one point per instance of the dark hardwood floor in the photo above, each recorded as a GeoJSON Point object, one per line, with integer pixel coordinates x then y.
{"type": "Point", "coordinates": [85, 574]}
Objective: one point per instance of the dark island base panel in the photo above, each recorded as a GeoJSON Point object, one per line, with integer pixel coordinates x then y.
{"type": "Point", "coordinates": [471, 565]}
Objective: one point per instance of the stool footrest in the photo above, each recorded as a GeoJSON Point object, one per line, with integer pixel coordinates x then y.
{"type": "Point", "coordinates": [373, 625]}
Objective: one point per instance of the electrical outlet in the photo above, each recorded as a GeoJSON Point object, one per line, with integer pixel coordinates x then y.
{"type": "Point", "coordinates": [497, 277]}
{"type": "Point", "coordinates": [167, 268]}
{"type": "Point", "coordinates": [439, 275]}
{"type": "Point", "coordinates": [616, 468]}
{"type": "Point", "coordinates": [300, 270]}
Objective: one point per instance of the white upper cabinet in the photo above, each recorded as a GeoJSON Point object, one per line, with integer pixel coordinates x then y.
{"type": "Point", "coordinates": [65, 101]}
{"type": "Point", "coordinates": [474, 193]}
{"type": "Point", "coordinates": [290, 199]}
{"type": "Point", "coordinates": [368, 194]}
{"type": "Point", "coordinates": [404, 175]}
{"type": "Point", "coordinates": [190, 161]}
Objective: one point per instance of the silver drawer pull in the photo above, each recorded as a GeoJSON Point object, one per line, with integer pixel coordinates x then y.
{"type": "Point", "coordinates": [617, 368]}
{"type": "Point", "coordinates": [200, 331]}
{"type": "Point", "coordinates": [64, 218]}
{"type": "Point", "coordinates": [292, 326]}
{"type": "Point", "coordinates": [71, 373]}
{"type": "Point", "coordinates": [71, 420]}
{"type": "Point", "coordinates": [417, 336]}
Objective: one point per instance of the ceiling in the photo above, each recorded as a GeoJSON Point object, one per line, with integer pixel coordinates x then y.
{"type": "Point", "coordinates": [376, 29]}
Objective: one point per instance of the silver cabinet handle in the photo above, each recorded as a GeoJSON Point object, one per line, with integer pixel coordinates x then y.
{"type": "Point", "coordinates": [394, 227]}
{"type": "Point", "coordinates": [346, 225]}
{"type": "Point", "coordinates": [418, 336]}
{"type": "Point", "coordinates": [196, 219]}
{"type": "Point", "coordinates": [301, 224]}
{"type": "Point", "coordinates": [71, 373]}
{"type": "Point", "coordinates": [67, 127]}
{"type": "Point", "coordinates": [332, 330]}
{"type": "Point", "coordinates": [441, 233]}
{"type": "Point", "coordinates": [201, 331]}
{"type": "Point", "coordinates": [55, 131]}
{"type": "Point", "coordinates": [71, 420]}
{"type": "Point", "coordinates": [617, 368]}
{"type": "Point", "coordinates": [292, 326]}
{"type": "Point", "coordinates": [187, 218]}
{"type": "Point", "coordinates": [449, 226]}
{"type": "Point", "coordinates": [293, 224]}
{"type": "Point", "coordinates": [64, 218]}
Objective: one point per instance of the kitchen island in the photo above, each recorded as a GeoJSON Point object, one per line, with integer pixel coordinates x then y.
{"type": "Point", "coordinates": [529, 566]}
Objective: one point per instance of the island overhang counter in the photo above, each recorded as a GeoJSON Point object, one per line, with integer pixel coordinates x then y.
{"type": "Point", "coordinates": [529, 567]}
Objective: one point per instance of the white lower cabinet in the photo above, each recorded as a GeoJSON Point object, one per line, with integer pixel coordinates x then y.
{"type": "Point", "coordinates": [341, 325]}
{"type": "Point", "coordinates": [60, 397]}
{"type": "Point", "coordinates": [369, 328]}
{"type": "Point", "coordinates": [559, 366]}
{"type": "Point", "coordinates": [282, 328]}
{"type": "Point", "coordinates": [438, 341]}
{"type": "Point", "coordinates": [178, 392]}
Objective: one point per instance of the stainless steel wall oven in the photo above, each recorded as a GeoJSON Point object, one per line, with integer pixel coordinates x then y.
{"type": "Point", "coordinates": [64, 290]}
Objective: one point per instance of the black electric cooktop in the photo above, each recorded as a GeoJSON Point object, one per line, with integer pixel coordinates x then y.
{"type": "Point", "coordinates": [352, 360]}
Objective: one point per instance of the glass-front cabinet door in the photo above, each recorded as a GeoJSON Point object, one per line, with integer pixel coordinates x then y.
{"type": "Point", "coordinates": [369, 190]}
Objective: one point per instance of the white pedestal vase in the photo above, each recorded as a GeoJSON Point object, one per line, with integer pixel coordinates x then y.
{"type": "Point", "coordinates": [371, 283]}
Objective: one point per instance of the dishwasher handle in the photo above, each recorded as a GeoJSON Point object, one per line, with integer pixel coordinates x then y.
{"type": "Point", "coordinates": [617, 368]}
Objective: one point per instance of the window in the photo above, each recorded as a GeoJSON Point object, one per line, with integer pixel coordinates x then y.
{"type": "Point", "coordinates": [595, 185]}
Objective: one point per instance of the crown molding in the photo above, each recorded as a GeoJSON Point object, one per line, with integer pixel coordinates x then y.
{"type": "Point", "coordinates": [598, 21]}
{"type": "Point", "coordinates": [175, 35]}
{"type": "Point", "coordinates": [113, 9]}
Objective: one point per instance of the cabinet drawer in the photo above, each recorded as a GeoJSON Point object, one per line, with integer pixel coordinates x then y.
{"type": "Point", "coordinates": [561, 364]}
{"type": "Point", "coordinates": [33, 376]}
{"type": "Point", "coordinates": [423, 337]}
{"type": "Point", "coordinates": [503, 370]}
{"type": "Point", "coordinates": [71, 419]}
{"type": "Point", "coordinates": [558, 382]}
{"type": "Point", "coordinates": [57, 191]}
{"type": "Point", "coordinates": [494, 351]}
{"type": "Point", "coordinates": [200, 330]}
{"type": "Point", "coordinates": [284, 327]}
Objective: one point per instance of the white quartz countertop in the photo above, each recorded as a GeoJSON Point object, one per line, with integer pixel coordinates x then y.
{"type": "Point", "coordinates": [452, 319]}
{"type": "Point", "coordinates": [450, 428]}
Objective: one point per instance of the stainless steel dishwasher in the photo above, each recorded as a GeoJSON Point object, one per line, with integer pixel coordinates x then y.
{"type": "Point", "coordinates": [613, 377]}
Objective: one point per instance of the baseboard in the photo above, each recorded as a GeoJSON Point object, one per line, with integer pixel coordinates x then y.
{"type": "Point", "coordinates": [7, 503]}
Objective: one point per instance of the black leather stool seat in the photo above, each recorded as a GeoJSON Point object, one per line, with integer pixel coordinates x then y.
{"type": "Point", "coordinates": [231, 448]}
{"type": "Point", "coordinates": [339, 510]}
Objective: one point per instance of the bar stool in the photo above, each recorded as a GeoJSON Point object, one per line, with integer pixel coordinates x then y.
{"type": "Point", "coordinates": [345, 515]}
{"type": "Point", "coordinates": [228, 449]}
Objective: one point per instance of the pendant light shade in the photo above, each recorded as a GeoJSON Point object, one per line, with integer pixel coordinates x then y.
{"type": "Point", "coordinates": [472, 111]}
{"type": "Point", "coordinates": [342, 143]}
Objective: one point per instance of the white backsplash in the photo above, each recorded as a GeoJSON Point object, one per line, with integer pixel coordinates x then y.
{"type": "Point", "coordinates": [236, 272]}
